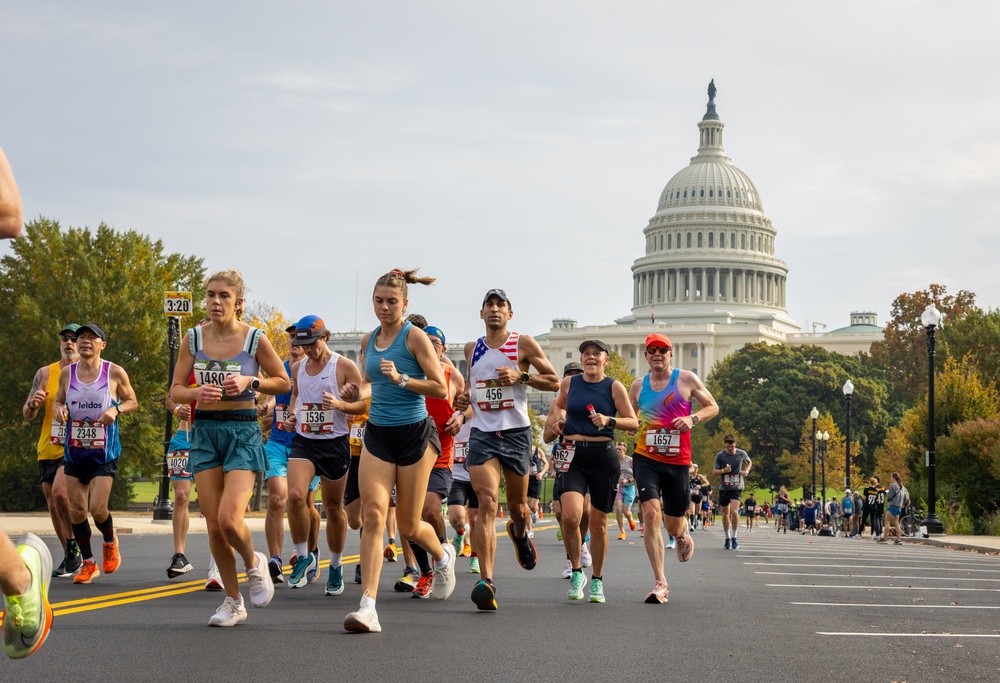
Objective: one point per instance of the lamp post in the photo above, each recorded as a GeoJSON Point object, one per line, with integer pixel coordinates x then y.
{"type": "Point", "coordinates": [931, 318]}
{"type": "Point", "coordinates": [824, 443]}
{"type": "Point", "coordinates": [772, 495]}
{"type": "Point", "coordinates": [848, 390]}
{"type": "Point", "coordinates": [814, 414]}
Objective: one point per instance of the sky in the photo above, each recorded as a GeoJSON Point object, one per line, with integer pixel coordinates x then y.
{"type": "Point", "coordinates": [317, 145]}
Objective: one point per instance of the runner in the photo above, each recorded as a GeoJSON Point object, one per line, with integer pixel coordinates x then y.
{"type": "Point", "coordinates": [782, 509]}
{"type": "Point", "coordinates": [732, 464]}
{"type": "Point", "coordinates": [352, 494]}
{"type": "Point", "coordinates": [25, 569]}
{"type": "Point", "coordinates": [750, 512]}
{"type": "Point", "coordinates": [51, 447]}
{"type": "Point", "coordinates": [662, 400]}
{"type": "Point", "coordinates": [589, 459]}
{"type": "Point", "coordinates": [539, 464]}
{"type": "Point", "coordinates": [626, 492]}
{"type": "Point", "coordinates": [399, 361]}
{"type": "Point", "coordinates": [847, 506]}
{"type": "Point", "coordinates": [898, 498]}
{"type": "Point", "coordinates": [320, 446]}
{"type": "Point", "coordinates": [695, 482]}
{"type": "Point", "coordinates": [227, 447]}
{"type": "Point", "coordinates": [92, 394]}
{"type": "Point", "coordinates": [500, 442]}
{"type": "Point", "coordinates": [463, 506]}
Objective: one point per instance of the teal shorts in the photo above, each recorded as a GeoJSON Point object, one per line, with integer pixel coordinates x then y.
{"type": "Point", "coordinates": [227, 439]}
{"type": "Point", "coordinates": [277, 462]}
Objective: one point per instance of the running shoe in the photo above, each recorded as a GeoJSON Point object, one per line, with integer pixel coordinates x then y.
{"type": "Point", "coordinates": [671, 542]}
{"type": "Point", "coordinates": [213, 582]}
{"type": "Point", "coordinates": [74, 559]}
{"type": "Point", "coordinates": [112, 558]}
{"type": "Point", "coordinates": [631, 524]}
{"type": "Point", "coordinates": [274, 568]}
{"type": "Point", "coordinates": [736, 544]}
{"type": "Point", "coordinates": [28, 617]}
{"type": "Point", "coordinates": [60, 571]}
{"type": "Point", "coordinates": [408, 581]}
{"type": "Point", "coordinates": [178, 565]}
{"type": "Point", "coordinates": [622, 536]}
{"type": "Point", "coordinates": [659, 594]}
{"type": "Point", "coordinates": [585, 559]}
{"type": "Point", "coordinates": [880, 540]}
{"type": "Point", "coordinates": [458, 541]}
{"type": "Point", "coordinates": [531, 534]}
{"type": "Point", "coordinates": [261, 586]}
{"type": "Point", "coordinates": [87, 573]}
{"type": "Point", "coordinates": [425, 584]}
{"type": "Point", "coordinates": [897, 542]}
{"type": "Point", "coordinates": [467, 538]}
{"type": "Point", "coordinates": [685, 547]}
{"type": "Point", "coordinates": [559, 534]}
{"type": "Point", "coordinates": [313, 573]}
{"type": "Point", "coordinates": [390, 552]}
{"type": "Point", "coordinates": [484, 594]}
{"type": "Point", "coordinates": [568, 571]}
{"type": "Point", "coordinates": [357, 574]}
{"type": "Point", "coordinates": [302, 565]}
{"type": "Point", "coordinates": [365, 620]}
{"type": "Point", "coordinates": [726, 546]}
{"type": "Point", "coordinates": [473, 565]}
{"type": "Point", "coordinates": [524, 548]}
{"type": "Point", "coordinates": [335, 581]}
{"type": "Point", "coordinates": [576, 582]}
{"type": "Point", "coordinates": [444, 577]}
{"type": "Point", "coordinates": [230, 613]}
{"type": "Point", "coordinates": [596, 590]}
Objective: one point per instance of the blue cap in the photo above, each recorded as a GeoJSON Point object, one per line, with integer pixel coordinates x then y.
{"type": "Point", "coordinates": [308, 330]}
{"type": "Point", "coordinates": [435, 332]}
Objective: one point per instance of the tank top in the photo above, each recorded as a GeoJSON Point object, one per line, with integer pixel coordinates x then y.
{"type": "Point", "coordinates": [496, 408]}
{"type": "Point", "coordinates": [460, 472]}
{"type": "Point", "coordinates": [88, 443]}
{"type": "Point", "coordinates": [582, 394]}
{"type": "Point", "coordinates": [441, 410]}
{"type": "Point", "coordinates": [314, 422]}
{"type": "Point", "coordinates": [52, 440]}
{"type": "Point", "coordinates": [627, 472]}
{"type": "Point", "coordinates": [213, 371]}
{"type": "Point", "coordinates": [657, 439]}
{"type": "Point", "coordinates": [393, 405]}
{"type": "Point", "coordinates": [278, 435]}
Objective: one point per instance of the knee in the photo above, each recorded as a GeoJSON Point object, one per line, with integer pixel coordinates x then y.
{"type": "Point", "coordinates": [373, 516]}
{"type": "Point", "coordinates": [60, 499]}
{"type": "Point", "coordinates": [650, 518]}
{"type": "Point", "coordinates": [297, 500]}
{"type": "Point", "coordinates": [181, 500]}
{"type": "Point", "coordinates": [276, 502]}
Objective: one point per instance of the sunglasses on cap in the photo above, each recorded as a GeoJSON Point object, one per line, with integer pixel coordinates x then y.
{"type": "Point", "coordinates": [653, 350]}
{"type": "Point", "coordinates": [67, 337]}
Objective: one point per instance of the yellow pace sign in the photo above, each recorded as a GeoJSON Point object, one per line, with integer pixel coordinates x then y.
{"type": "Point", "coordinates": [177, 304]}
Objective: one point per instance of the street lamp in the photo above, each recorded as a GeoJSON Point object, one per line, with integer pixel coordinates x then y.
{"type": "Point", "coordinates": [848, 390]}
{"type": "Point", "coordinates": [772, 497]}
{"type": "Point", "coordinates": [824, 442]}
{"type": "Point", "coordinates": [814, 414]}
{"type": "Point", "coordinates": [931, 318]}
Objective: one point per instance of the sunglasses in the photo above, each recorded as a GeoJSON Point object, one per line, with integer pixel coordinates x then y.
{"type": "Point", "coordinates": [653, 350]}
{"type": "Point", "coordinates": [67, 337]}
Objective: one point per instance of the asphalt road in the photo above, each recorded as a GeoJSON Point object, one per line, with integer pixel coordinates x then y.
{"type": "Point", "coordinates": [783, 607]}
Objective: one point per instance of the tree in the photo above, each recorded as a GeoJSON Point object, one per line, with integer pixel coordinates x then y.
{"type": "Point", "coordinates": [273, 322]}
{"type": "Point", "coordinates": [976, 338]}
{"type": "Point", "coordinates": [619, 369]}
{"type": "Point", "coordinates": [969, 459]}
{"type": "Point", "coordinates": [117, 279]}
{"type": "Point", "coordinates": [797, 465]}
{"type": "Point", "coordinates": [902, 352]}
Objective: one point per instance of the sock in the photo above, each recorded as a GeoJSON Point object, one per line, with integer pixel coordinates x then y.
{"type": "Point", "coordinates": [474, 554]}
{"type": "Point", "coordinates": [734, 533]}
{"type": "Point", "coordinates": [441, 564]}
{"type": "Point", "coordinates": [599, 578]}
{"type": "Point", "coordinates": [107, 529]}
{"type": "Point", "coordinates": [302, 549]}
{"type": "Point", "coordinates": [82, 533]}
{"type": "Point", "coordinates": [423, 559]}
{"type": "Point", "coordinates": [336, 559]}
{"type": "Point", "coordinates": [460, 532]}
{"type": "Point", "coordinates": [577, 569]}
{"type": "Point", "coordinates": [586, 539]}
{"type": "Point", "coordinates": [369, 602]}
{"type": "Point", "coordinates": [392, 541]}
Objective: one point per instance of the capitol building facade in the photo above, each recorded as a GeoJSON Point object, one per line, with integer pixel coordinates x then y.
{"type": "Point", "coordinates": [710, 277]}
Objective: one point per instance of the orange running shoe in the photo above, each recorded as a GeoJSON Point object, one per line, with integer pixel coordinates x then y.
{"type": "Point", "coordinates": [87, 573]}
{"type": "Point", "coordinates": [112, 558]}
{"type": "Point", "coordinates": [622, 536]}
{"type": "Point", "coordinates": [390, 552]}
{"type": "Point", "coordinates": [631, 524]}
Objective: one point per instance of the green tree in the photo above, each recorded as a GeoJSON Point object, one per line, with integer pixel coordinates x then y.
{"type": "Point", "coordinates": [53, 276]}
{"type": "Point", "coordinates": [969, 460]}
{"type": "Point", "coordinates": [976, 338]}
{"type": "Point", "coordinates": [619, 369]}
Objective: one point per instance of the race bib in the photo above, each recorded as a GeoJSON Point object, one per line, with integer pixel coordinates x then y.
{"type": "Point", "coordinates": [177, 464]}
{"type": "Point", "coordinates": [461, 451]}
{"type": "Point", "coordinates": [732, 480]}
{"type": "Point", "coordinates": [214, 371]}
{"type": "Point", "coordinates": [491, 396]}
{"type": "Point", "coordinates": [563, 457]}
{"type": "Point", "coordinates": [356, 434]}
{"type": "Point", "coordinates": [57, 436]}
{"type": "Point", "coordinates": [314, 420]}
{"type": "Point", "coordinates": [663, 441]}
{"type": "Point", "coordinates": [86, 434]}
{"type": "Point", "coordinates": [280, 414]}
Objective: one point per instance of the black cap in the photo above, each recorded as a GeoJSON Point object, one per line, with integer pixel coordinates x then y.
{"type": "Point", "coordinates": [595, 342]}
{"type": "Point", "coordinates": [571, 367]}
{"type": "Point", "coordinates": [95, 329]}
{"type": "Point", "coordinates": [498, 293]}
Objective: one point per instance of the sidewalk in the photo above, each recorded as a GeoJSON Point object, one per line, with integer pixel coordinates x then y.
{"type": "Point", "coordinates": [980, 544]}
{"type": "Point", "coordinates": [40, 523]}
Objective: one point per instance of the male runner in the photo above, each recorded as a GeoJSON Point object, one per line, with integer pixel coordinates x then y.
{"type": "Point", "coordinates": [662, 400]}
{"type": "Point", "coordinates": [870, 510]}
{"type": "Point", "coordinates": [463, 506]}
{"type": "Point", "coordinates": [500, 442]}
{"type": "Point", "coordinates": [879, 505]}
{"type": "Point", "coordinates": [732, 464]}
{"type": "Point", "coordinates": [750, 511]}
{"type": "Point", "coordinates": [539, 463]}
{"type": "Point", "coordinates": [92, 394]}
{"type": "Point", "coordinates": [51, 445]}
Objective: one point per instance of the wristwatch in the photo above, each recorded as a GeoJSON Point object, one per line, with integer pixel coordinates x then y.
{"type": "Point", "coordinates": [255, 384]}
{"type": "Point", "coordinates": [524, 378]}
{"type": "Point", "coordinates": [694, 420]}
{"type": "Point", "coordinates": [403, 379]}
{"type": "Point", "coordinates": [612, 422]}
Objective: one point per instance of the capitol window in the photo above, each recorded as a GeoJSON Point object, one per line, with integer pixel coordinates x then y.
{"type": "Point", "coordinates": [699, 240]}
{"type": "Point", "coordinates": [685, 194]}
{"type": "Point", "coordinates": [703, 192]}
{"type": "Point", "coordinates": [729, 194]}
{"type": "Point", "coordinates": [710, 193]}
{"type": "Point", "coordinates": [689, 240]}
{"type": "Point", "coordinates": [711, 239]}
{"type": "Point", "coordinates": [722, 240]}
{"type": "Point", "coordinates": [670, 241]}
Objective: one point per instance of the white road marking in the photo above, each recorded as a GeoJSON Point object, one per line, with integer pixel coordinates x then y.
{"type": "Point", "coordinates": [868, 604]}
{"type": "Point", "coordinates": [840, 566]}
{"type": "Point", "coordinates": [888, 588]}
{"type": "Point", "coordinates": [910, 635]}
{"type": "Point", "coordinates": [873, 576]}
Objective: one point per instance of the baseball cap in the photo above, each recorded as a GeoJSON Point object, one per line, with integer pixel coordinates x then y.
{"type": "Point", "coordinates": [499, 293]}
{"type": "Point", "coordinates": [435, 332]}
{"type": "Point", "coordinates": [308, 330]}
{"type": "Point", "coordinates": [290, 329]}
{"type": "Point", "coordinates": [572, 367]}
{"type": "Point", "coordinates": [847, 490]}
{"type": "Point", "coordinates": [94, 329]}
{"type": "Point", "coordinates": [595, 342]}
{"type": "Point", "coordinates": [72, 328]}
{"type": "Point", "coordinates": [657, 339]}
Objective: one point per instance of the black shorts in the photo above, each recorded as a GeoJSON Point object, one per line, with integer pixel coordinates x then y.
{"type": "Point", "coordinates": [87, 473]}
{"type": "Point", "coordinates": [596, 468]}
{"type": "Point", "coordinates": [727, 497]}
{"type": "Point", "coordinates": [669, 483]}
{"type": "Point", "coordinates": [462, 494]}
{"type": "Point", "coordinates": [696, 500]}
{"type": "Point", "coordinates": [534, 487]}
{"type": "Point", "coordinates": [440, 482]}
{"type": "Point", "coordinates": [401, 445]}
{"type": "Point", "coordinates": [351, 490]}
{"type": "Point", "coordinates": [512, 447]}
{"type": "Point", "coordinates": [47, 470]}
{"type": "Point", "coordinates": [330, 457]}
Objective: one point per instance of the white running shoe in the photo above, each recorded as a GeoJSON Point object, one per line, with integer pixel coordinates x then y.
{"type": "Point", "coordinates": [214, 580]}
{"type": "Point", "coordinates": [568, 571]}
{"type": "Point", "coordinates": [585, 559]}
{"type": "Point", "coordinates": [365, 620]}
{"type": "Point", "coordinates": [261, 585]}
{"type": "Point", "coordinates": [443, 582]}
{"type": "Point", "coordinates": [229, 613]}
